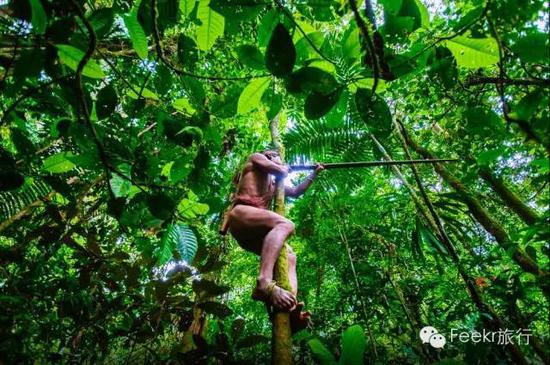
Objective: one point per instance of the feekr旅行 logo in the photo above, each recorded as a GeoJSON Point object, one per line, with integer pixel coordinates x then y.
{"type": "Point", "coordinates": [430, 335]}
{"type": "Point", "coordinates": [504, 336]}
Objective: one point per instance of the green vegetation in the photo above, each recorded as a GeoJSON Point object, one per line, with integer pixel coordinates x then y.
{"type": "Point", "coordinates": [123, 123]}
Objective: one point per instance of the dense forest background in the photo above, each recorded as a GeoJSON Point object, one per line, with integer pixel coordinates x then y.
{"type": "Point", "coordinates": [124, 121]}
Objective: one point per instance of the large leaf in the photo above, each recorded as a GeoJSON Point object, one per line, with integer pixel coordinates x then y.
{"type": "Point", "coordinates": [137, 34]}
{"type": "Point", "coordinates": [58, 163]}
{"type": "Point", "coordinates": [252, 94]}
{"type": "Point", "coordinates": [532, 47]}
{"type": "Point", "coordinates": [317, 104]}
{"type": "Point", "coordinates": [211, 28]}
{"type": "Point", "coordinates": [321, 353]}
{"type": "Point", "coordinates": [353, 346]}
{"type": "Point", "coordinates": [474, 52]}
{"type": "Point", "coordinates": [107, 100]}
{"type": "Point", "coordinates": [180, 237]}
{"type": "Point", "coordinates": [186, 7]}
{"type": "Point", "coordinates": [161, 205]}
{"type": "Point", "coordinates": [121, 185]}
{"type": "Point", "coordinates": [313, 79]}
{"type": "Point", "coordinates": [39, 18]}
{"type": "Point", "coordinates": [251, 56]}
{"type": "Point", "coordinates": [374, 112]}
{"type": "Point", "coordinates": [72, 56]}
{"type": "Point", "coordinates": [280, 54]}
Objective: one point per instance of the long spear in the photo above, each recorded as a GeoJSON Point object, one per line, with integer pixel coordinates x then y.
{"type": "Point", "coordinates": [345, 165]}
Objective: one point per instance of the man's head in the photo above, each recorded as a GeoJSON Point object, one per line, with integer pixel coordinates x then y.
{"type": "Point", "coordinates": [272, 155]}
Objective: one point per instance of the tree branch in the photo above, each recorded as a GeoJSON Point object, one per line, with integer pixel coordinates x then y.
{"type": "Point", "coordinates": [371, 51]}
{"type": "Point", "coordinates": [497, 80]}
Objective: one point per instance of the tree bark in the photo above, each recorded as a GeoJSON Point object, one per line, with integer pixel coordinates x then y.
{"type": "Point", "coordinates": [281, 344]}
{"type": "Point", "coordinates": [511, 199]}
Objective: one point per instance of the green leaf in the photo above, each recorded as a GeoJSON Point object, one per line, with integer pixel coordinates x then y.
{"type": "Point", "coordinates": [528, 105]}
{"type": "Point", "coordinates": [313, 79]}
{"type": "Point", "coordinates": [391, 6]}
{"type": "Point", "coordinates": [469, 18]}
{"type": "Point", "coordinates": [351, 46]}
{"type": "Point", "coordinates": [58, 163]}
{"type": "Point", "coordinates": [273, 102]}
{"type": "Point", "coordinates": [119, 185]}
{"type": "Point", "coordinates": [250, 56]}
{"type": "Point", "coordinates": [191, 208]}
{"type": "Point", "coordinates": [252, 94]}
{"type": "Point", "coordinates": [397, 26]}
{"type": "Point", "coordinates": [304, 50]}
{"type": "Point", "coordinates": [137, 34]}
{"type": "Point", "coordinates": [107, 100]}
{"type": "Point", "coordinates": [183, 105]}
{"type": "Point", "coordinates": [280, 54]}
{"type": "Point", "coordinates": [225, 105]}
{"type": "Point", "coordinates": [266, 26]}
{"type": "Point", "coordinates": [374, 112]}
{"type": "Point", "coordinates": [487, 157]}
{"type": "Point", "coordinates": [188, 54]}
{"type": "Point", "coordinates": [186, 7]}
{"type": "Point", "coordinates": [161, 205]}
{"type": "Point", "coordinates": [474, 52]}
{"type": "Point", "coordinates": [102, 20]}
{"type": "Point", "coordinates": [317, 104]}
{"type": "Point", "coordinates": [532, 48]}
{"type": "Point", "coordinates": [443, 64]}
{"type": "Point", "coordinates": [39, 19]}
{"type": "Point", "coordinates": [321, 353]}
{"type": "Point", "coordinates": [211, 28]}
{"type": "Point", "coordinates": [72, 56]}
{"type": "Point", "coordinates": [145, 93]}
{"type": "Point", "coordinates": [180, 237]}
{"type": "Point", "coordinates": [353, 346]}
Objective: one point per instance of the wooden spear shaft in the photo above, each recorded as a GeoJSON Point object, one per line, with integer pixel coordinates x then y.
{"type": "Point", "coordinates": [281, 342]}
{"type": "Point", "coordinates": [345, 165]}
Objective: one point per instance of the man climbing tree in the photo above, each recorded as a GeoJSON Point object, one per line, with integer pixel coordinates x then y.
{"type": "Point", "coordinates": [259, 230]}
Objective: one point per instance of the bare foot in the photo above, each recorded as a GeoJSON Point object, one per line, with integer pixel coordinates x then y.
{"type": "Point", "coordinates": [299, 320]}
{"type": "Point", "coordinates": [270, 293]}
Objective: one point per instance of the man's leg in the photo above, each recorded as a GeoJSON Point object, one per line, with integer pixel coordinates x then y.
{"type": "Point", "coordinates": [263, 232]}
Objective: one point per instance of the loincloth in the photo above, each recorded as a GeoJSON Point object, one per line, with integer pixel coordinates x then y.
{"type": "Point", "coordinates": [252, 201]}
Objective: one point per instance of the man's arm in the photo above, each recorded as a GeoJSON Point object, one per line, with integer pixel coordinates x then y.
{"type": "Point", "coordinates": [304, 185]}
{"type": "Point", "coordinates": [266, 165]}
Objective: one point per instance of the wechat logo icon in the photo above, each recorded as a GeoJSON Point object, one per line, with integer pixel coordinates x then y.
{"type": "Point", "coordinates": [430, 335]}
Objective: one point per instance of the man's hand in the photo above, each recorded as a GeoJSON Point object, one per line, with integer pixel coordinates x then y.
{"type": "Point", "coordinates": [318, 169]}
{"type": "Point", "coordinates": [284, 170]}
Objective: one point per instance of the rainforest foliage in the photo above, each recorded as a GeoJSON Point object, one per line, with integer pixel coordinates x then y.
{"type": "Point", "coordinates": [123, 123]}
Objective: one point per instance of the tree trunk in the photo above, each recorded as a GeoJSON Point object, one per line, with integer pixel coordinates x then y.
{"type": "Point", "coordinates": [281, 345]}
{"type": "Point", "coordinates": [488, 222]}
{"type": "Point", "coordinates": [527, 214]}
